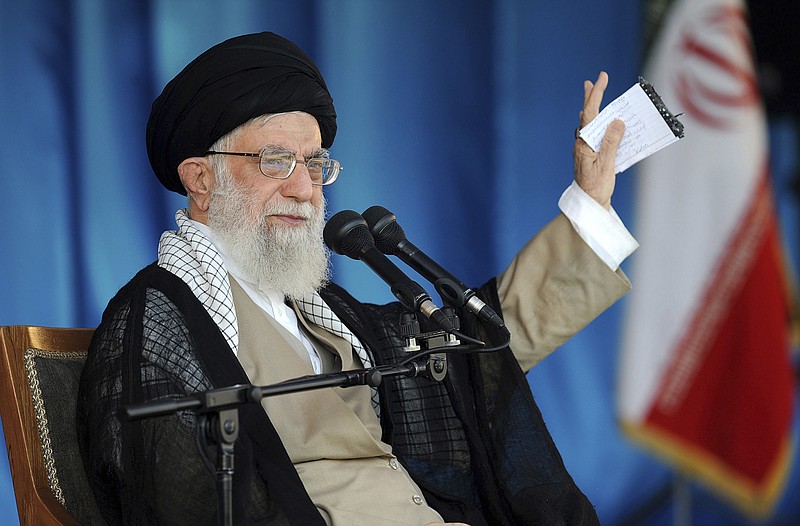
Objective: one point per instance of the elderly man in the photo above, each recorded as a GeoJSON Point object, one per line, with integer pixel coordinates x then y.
{"type": "Point", "coordinates": [240, 295]}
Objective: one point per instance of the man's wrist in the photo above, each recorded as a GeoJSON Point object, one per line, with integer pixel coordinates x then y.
{"type": "Point", "coordinates": [600, 228]}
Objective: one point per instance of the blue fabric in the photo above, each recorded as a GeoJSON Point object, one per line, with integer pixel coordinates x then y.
{"type": "Point", "coordinates": [452, 113]}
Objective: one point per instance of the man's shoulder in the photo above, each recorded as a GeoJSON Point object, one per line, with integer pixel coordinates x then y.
{"type": "Point", "coordinates": [148, 282]}
{"type": "Point", "coordinates": [151, 277]}
{"type": "Point", "coordinates": [366, 320]}
{"type": "Point", "coordinates": [333, 290]}
{"type": "Point", "coordinates": [337, 297]}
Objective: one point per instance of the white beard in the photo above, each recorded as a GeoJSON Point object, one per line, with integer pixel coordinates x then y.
{"type": "Point", "coordinates": [290, 260]}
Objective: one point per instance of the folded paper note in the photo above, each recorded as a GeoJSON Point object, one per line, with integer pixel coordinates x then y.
{"type": "Point", "coordinates": [649, 125]}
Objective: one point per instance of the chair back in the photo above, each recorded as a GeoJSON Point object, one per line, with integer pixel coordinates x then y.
{"type": "Point", "coordinates": [40, 371]}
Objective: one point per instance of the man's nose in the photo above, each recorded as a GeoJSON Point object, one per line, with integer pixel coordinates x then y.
{"type": "Point", "coordinates": [298, 184]}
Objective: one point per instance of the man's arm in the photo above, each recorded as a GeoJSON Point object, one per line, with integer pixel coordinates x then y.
{"type": "Point", "coordinates": [149, 469]}
{"type": "Point", "coordinates": [552, 289]}
{"type": "Point", "coordinates": [569, 273]}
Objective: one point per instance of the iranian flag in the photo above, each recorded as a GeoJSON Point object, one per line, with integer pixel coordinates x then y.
{"type": "Point", "coordinates": [705, 374]}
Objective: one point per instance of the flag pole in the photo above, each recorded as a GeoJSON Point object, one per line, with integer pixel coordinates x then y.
{"type": "Point", "coordinates": [681, 500]}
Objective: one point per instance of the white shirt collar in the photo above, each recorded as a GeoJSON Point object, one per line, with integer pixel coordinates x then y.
{"type": "Point", "coordinates": [270, 300]}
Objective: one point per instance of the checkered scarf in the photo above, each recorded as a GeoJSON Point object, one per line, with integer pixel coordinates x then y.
{"type": "Point", "coordinates": [188, 254]}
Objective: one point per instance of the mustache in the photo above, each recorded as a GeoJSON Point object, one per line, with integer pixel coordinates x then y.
{"type": "Point", "coordinates": [305, 210]}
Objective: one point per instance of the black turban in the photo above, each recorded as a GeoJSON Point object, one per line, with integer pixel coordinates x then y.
{"type": "Point", "coordinates": [239, 79]}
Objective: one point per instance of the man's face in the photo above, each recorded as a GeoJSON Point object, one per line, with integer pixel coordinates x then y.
{"type": "Point", "coordinates": [296, 132]}
{"type": "Point", "coordinates": [272, 228]}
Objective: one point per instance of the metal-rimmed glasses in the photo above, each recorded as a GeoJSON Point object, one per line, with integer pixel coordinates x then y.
{"type": "Point", "coordinates": [279, 164]}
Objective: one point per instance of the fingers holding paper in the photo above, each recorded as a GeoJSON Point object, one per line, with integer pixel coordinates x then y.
{"type": "Point", "coordinates": [594, 171]}
{"type": "Point", "coordinates": [593, 97]}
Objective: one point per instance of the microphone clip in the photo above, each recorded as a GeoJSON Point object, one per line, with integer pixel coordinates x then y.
{"type": "Point", "coordinates": [434, 366]}
{"type": "Point", "coordinates": [418, 341]}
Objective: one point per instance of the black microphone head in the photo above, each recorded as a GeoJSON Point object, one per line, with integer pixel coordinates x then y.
{"type": "Point", "coordinates": [347, 233]}
{"type": "Point", "coordinates": [385, 230]}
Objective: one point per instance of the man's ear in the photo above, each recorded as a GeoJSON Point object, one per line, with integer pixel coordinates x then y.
{"type": "Point", "coordinates": [198, 179]}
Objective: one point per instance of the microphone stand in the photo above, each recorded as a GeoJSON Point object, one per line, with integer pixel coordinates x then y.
{"type": "Point", "coordinates": [219, 416]}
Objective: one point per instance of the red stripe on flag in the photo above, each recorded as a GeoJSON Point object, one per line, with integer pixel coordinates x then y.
{"type": "Point", "coordinates": [728, 392]}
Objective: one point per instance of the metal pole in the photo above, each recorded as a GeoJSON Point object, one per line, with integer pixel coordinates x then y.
{"type": "Point", "coordinates": [682, 499]}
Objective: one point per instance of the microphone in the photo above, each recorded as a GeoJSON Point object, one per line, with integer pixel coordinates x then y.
{"type": "Point", "coordinates": [390, 239]}
{"type": "Point", "coordinates": [346, 233]}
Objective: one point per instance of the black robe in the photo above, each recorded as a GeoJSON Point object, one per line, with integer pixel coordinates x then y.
{"type": "Point", "coordinates": [481, 452]}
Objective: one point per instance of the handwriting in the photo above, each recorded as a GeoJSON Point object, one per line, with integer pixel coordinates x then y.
{"type": "Point", "coordinates": [646, 131]}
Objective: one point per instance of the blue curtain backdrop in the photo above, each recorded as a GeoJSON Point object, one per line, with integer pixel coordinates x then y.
{"type": "Point", "coordinates": [457, 115]}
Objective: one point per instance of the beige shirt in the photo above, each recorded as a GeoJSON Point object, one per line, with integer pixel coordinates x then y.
{"type": "Point", "coordinates": [332, 435]}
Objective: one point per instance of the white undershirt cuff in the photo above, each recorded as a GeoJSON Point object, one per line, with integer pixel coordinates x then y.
{"type": "Point", "coordinates": [601, 229]}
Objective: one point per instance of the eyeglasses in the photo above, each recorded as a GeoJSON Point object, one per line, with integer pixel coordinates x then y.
{"type": "Point", "coordinates": [279, 164]}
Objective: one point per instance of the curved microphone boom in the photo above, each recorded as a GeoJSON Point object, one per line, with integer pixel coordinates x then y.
{"type": "Point", "coordinates": [390, 239]}
{"type": "Point", "coordinates": [346, 233]}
